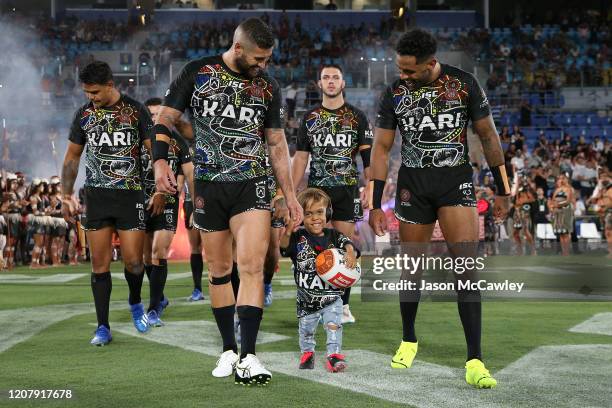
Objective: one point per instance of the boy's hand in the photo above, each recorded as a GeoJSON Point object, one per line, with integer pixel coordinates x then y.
{"type": "Point", "coordinates": [349, 258]}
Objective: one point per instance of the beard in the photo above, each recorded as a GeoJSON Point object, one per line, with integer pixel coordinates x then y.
{"type": "Point", "coordinates": [418, 83]}
{"type": "Point", "coordinates": [332, 95]}
{"type": "Point", "coordinates": [250, 71]}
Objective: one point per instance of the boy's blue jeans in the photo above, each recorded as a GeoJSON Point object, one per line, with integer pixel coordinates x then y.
{"type": "Point", "coordinates": [332, 321]}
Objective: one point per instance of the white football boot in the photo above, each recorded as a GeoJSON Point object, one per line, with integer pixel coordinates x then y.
{"type": "Point", "coordinates": [226, 364]}
{"type": "Point", "coordinates": [250, 371]}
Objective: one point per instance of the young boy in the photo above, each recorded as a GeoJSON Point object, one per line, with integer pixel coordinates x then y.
{"type": "Point", "coordinates": [315, 298]}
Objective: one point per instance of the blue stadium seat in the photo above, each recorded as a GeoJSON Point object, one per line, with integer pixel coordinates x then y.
{"type": "Point", "coordinates": [531, 133]}
{"type": "Point", "coordinates": [579, 119]}
{"type": "Point", "coordinates": [539, 120]}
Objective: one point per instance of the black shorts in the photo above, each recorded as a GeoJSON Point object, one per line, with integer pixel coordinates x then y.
{"type": "Point", "coordinates": [188, 209]}
{"type": "Point", "coordinates": [165, 221]}
{"type": "Point", "coordinates": [215, 203]}
{"type": "Point", "coordinates": [122, 209]}
{"type": "Point", "coordinates": [345, 201]}
{"type": "Point", "coordinates": [421, 192]}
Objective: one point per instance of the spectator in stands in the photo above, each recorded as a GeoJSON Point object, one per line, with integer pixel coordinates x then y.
{"type": "Point", "coordinates": [525, 113]}
{"type": "Point", "coordinates": [598, 145]}
{"type": "Point", "coordinates": [312, 94]}
{"type": "Point", "coordinates": [540, 215]}
{"type": "Point", "coordinates": [504, 136]}
{"type": "Point", "coordinates": [290, 98]}
{"type": "Point", "coordinates": [540, 179]}
{"type": "Point", "coordinates": [492, 82]}
{"type": "Point", "coordinates": [518, 161]}
{"type": "Point", "coordinates": [566, 144]}
{"type": "Point", "coordinates": [578, 171]}
{"type": "Point", "coordinates": [518, 137]}
{"type": "Point", "coordinates": [580, 208]}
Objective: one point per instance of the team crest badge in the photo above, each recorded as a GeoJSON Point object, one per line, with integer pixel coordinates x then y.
{"type": "Point", "coordinates": [199, 202]}
{"type": "Point", "coordinates": [404, 195]}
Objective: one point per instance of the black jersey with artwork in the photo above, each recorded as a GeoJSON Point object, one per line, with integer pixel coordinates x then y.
{"type": "Point", "coordinates": [313, 294]}
{"type": "Point", "coordinates": [433, 119]}
{"type": "Point", "coordinates": [229, 114]}
{"type": "Point", "coordinates": [113, 137]}
{"type": "Point", "coordinates": [333, 138]}
{"type": "Point", "coordinates": [178, 154]}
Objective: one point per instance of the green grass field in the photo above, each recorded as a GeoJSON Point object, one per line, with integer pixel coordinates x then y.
{"type": "Point", "coordinates": [45, 330]}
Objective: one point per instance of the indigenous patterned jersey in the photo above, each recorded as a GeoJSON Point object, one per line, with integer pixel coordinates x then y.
{"type": "Point", "coordinates": [113, 137]}
{"type": "Point", "coordinates": [229, 114]}
{"type": "Point", "coordinates": [313, 294]}
{"type": "Point", "coordinates": [333, 138]}
{"type": "Point", "coordinates": [433, 119]}
{"type": "Point", "coordinates": [178, 154]}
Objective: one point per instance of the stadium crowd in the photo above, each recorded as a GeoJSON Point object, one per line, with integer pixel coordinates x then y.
{"type": "Point", "coordinates": [31, 217]}
{"type": "Point", "coordinates": [521, 57]}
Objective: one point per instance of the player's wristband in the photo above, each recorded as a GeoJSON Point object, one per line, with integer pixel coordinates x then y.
{"type": "Point", "coordinates": [501, 180]}
{"type": "Point", "coordinates": [377, 193]}
{"type": "Point", "coordinates": [161, 138]}
{"type": "Point", "coordinates": [365, 156]}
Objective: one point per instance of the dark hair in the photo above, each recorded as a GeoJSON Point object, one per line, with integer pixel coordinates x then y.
{"type": "Point", "coordinates": [258, 32]}
{"type": "Point", "coordinates": [96, 73]}
{"type": "Point", "coordinates": [153, 101]}
{"type": "Point", "coordinates": [330, 66]}
{"type": "Point", "coordinates": [418, 43]}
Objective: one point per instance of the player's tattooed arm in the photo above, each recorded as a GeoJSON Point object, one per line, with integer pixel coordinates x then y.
{"type": "Point", "coordinates": [279, 159]}
{"type": "Point", "coordinates": [70, 168]}
{"type": "Point", "coordinates": [494, 154]}
{"type": "Point", "coordinates": [298, 167]}
{"type": "Point", "coordinates": [168, 116]}
{"type": "Point", "coordinates": [489, 138]}
{"type": "Point", "coordinates": [184, 128]}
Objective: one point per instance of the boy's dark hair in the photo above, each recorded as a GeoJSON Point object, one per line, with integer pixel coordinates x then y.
{"type": "Point", "coordinates": [418, 43]}
{"type": "Point", "coordinates": [155, 101]}
{"type": "Point", "coordinates": [313, 195]}
{"type": "Point", "coordinates": [338, 67]}
{"type": "Point", "coordinates": [258, 32]}
{"type": "Point", "coordinates": [96, 73]}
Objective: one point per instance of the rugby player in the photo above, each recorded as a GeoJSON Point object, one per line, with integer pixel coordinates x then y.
{"type": "Point", "coordinates": [113, 126]}
{"type": "Point", "coordinates": [162, 221]}
{"type": "Point", "coordinates": [431, 104]}
{"type": "Point", "coordinates": [236, 110]}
